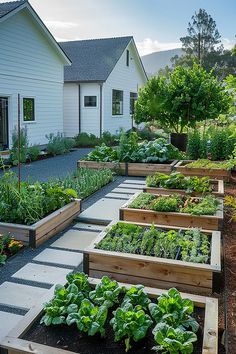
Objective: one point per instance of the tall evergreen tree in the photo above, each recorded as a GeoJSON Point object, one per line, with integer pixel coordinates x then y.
{"type": "Point", "coordinates": [202, 38]}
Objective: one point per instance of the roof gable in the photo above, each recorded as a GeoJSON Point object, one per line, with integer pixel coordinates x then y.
{"type": "Point", "coordinates": [94, 59]}
{"type": "Point", "coordinates": [8, 9]}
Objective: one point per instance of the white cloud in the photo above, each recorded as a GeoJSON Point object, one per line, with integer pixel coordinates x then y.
{"type": "Point", "coordinates": [52, 24]}
{"type": "Point", "coordinates": [228, 43]}
{"type": "Point", "coordinates": [149, 45]}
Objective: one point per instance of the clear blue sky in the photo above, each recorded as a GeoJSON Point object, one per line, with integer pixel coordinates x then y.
{"type": "Point", "coordinates": [155, 24]}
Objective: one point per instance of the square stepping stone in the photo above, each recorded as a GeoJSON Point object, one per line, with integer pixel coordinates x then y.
{"type": "Point", "coordinates": [105, 209]}
{"type": "Point", "coordinates": [131, 186]}
{"type": "Point", "coordinates": [42, 273]}
{"type": "Point", "coordinates": [118, 195]}
{"type": "Point", "coordinates": [75, 240]}
{"type": "Point", "coordinates": [68, 258]}
{"type": "Point", "coordinates": [85, 226]}
{"type": "Point", "coordinates": [19, 295]}
{"type": "Point", "coordinates": [125, 190]}
{"type": "Point", "coordinates": [8, 322]}
{"type": "Point", "coordinates": [135, 181]}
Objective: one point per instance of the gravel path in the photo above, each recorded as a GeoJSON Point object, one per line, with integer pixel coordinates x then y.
{"type": "Point", "coordinates": [53, 167]}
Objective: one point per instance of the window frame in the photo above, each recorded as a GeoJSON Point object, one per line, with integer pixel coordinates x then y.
{"type": "Point", "coordinates": [122, 103]}
{"type": "Point", "coordinates": [33, 113]}
{"type": "Point", "coordinates": [85, 106]}
{"type": "Point", "coordinates": [134, 99]}
{"type": "Point", "coordinates": [127, 57]}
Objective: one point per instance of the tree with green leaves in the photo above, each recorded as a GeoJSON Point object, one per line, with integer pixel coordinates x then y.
{"type": "Point", "coordinates": [203, 36]}
{"type": "Point", "coordinates": [190, 95]}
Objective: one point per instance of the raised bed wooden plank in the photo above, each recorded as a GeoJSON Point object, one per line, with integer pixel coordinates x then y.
{"type": "Point", "coordinates": [146, 169]}
{"type": "Point", "coordinates": [130, 168]}
{"type": "Point", "coordinates": [208, 222]}
{"type": "Point", "coordinates": [45, 228]}
{"type": "Point", "coordinates": [213, 173]}
{"type": "Point", "coordinates": [155, 271]}
{"type": "Point", "coordinates": [217, 186]}
{"type": "Point", "coordinates": [118, 167]}
{"type": "Point", "coordinates": [14, 344]}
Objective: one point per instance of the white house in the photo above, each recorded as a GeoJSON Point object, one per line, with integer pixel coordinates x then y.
{"type": "Point", "coordinates": [32, 65]}
{"type": "Point", "coordinates": [101, 85]}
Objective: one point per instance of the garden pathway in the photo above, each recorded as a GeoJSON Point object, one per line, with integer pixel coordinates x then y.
{"type": "Point", "coordinates": [53, 167]}
{"type": "Point", "coordinates": [29, 275]}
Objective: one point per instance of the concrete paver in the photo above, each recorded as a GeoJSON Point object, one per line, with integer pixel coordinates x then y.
{"type": "Point", "coordinates": [68, 258]}
{"type": "Point", "coordinates": [19, 295]}
{"type": "Point", "coordinates": [42, 273]}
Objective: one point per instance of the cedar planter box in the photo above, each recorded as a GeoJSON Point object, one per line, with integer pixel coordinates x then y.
{"type": "Point", "coordinates": [217, 185]}
{"type": "Point", "coordinates": [154, 271]}
{"type": "Point", "coordinates": [142, 169]}
{"type": "Point", "coordinates": [118, 167]}
{"type": "Point", "coordinates": [36, 234]}
{"type": "Point", "coordinates": [130, 168]}
{"type": "Point", "coordinates": [207, 222]}
{"type": "Point", "coordinates": [14, 344]}
{"type": "Point", "coordinates": [214, 173]}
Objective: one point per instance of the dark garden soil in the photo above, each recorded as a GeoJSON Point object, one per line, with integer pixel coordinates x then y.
{"type": "Point", "coordinates": [69, 338]}
{"type": "Point", "coordinates": [230, 276]}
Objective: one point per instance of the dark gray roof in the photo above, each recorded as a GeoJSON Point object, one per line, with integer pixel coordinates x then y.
{"type": "Point", "coordinates": [94, 59]}
{"type": "Point", "coordinates": [7, 7]}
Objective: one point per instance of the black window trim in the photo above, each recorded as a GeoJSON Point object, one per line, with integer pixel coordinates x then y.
{"type": "Point", "coordinates": [85, 106]}
{"type": "Point", "coordinates": [122, 111]}
{"type": "Point", "coordinates": [33, 120]}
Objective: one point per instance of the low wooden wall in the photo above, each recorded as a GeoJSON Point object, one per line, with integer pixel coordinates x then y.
{"type": "Point", "coordinates": [14, 344]}
{"type": "Point", "coordinates": [129, 168]}
{"type": "Point", "coordinates": [207, 222]}
{"type": "Point", "coordinates": [42, 230]}
{"type": "Point", "coordinates": [214, 173]}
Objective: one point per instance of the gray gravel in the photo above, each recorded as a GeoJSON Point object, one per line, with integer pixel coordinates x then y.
{"type": "Point", "coordinates": [53, 167]}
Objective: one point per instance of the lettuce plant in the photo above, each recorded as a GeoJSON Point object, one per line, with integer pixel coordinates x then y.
{"type": "Point", "coordinates": [106, 292]}
{"type": "Point", "coordinates": [174, 311]}
{"type": "Point", "coordinates": [173, 340]}
{"type": "Point", "coordinates": [136, 296]}
{"type": "Point", "coordinates": [131, 323]}
{"type": "Point", "coordinates": [89, 318]}
{"type": "Point", "coordinates": [81, 281]}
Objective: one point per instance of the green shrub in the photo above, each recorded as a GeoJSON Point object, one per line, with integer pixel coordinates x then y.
{"type": "Point", "coordinates": [109, 139]}
{"type": "Point", "coordinates": [86, 140]}
{"type": "Point", "coordinates": [33, 152]}
{"type": "Point", "coordinates": [216, 143]}
{"type": "Point", "coordinates": [58, 144]}
{"type": "Point", "coordinates": [24, 143]}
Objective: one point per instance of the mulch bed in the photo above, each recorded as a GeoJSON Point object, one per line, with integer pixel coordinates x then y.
{"type": "Point", "coordinates": [229, 241]}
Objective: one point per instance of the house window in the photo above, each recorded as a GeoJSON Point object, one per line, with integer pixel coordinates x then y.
{"type": "Point", "coordinates": [28, 110]}
{"type": "Point", "coordinates": [133, 98]}
{"type": "Point", "coordinates": [117, 102]}
{"type": "Point", "coordinates": [127, 57]}
{"type": "Point", "coordinates": [90, 101]}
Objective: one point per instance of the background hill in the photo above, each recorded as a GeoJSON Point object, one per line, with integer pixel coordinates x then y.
{"type": "Point", "coordinates": [158, 60]}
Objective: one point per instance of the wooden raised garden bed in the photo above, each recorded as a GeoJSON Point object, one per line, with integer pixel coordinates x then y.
{"type": "Point", "coordinates": [213, 173]}
{"type": "Point", "coordinates": [217, 185]}
{"type": "Point", "coordinates": [14, 343]}
{"type": "Point", "coordinates": [154, 271]}
{"type": "Point", "coordinates": [119, 168]}
{"type": "Point", "coordinates": [36, 234]}
{"type": "Point", "coordinates": [207, 222]}
{"type": "Point", "coordinates": [130, 168]}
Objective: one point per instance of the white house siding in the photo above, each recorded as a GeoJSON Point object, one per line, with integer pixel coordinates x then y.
{"type": "Point", "coordinates": [29, 66]}
{"type": "Point", "coordinates": [128, 79]}
{"type": "Point", "coordinates": [71, 109]}
{"type": "Point", "coordinates": [90, 116]}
